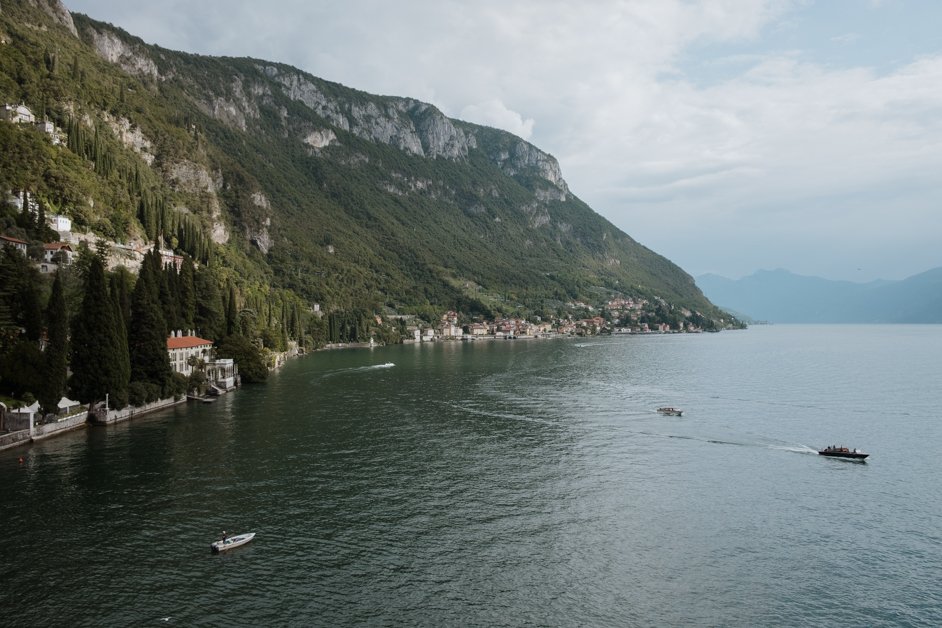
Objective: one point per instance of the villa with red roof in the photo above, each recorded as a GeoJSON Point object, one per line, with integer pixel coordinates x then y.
{"type": "Point", "coordinates": [181, 348]}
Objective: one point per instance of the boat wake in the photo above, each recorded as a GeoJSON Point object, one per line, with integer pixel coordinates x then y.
{"type": "Point", "coordinates": [794, 448]}
{"type": "Point", "coordinates": [798, 449]}
{"type": "Point", "coordinates": [359, 369]}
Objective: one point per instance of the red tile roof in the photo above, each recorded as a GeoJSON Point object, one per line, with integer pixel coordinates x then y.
{"type": "Point", "coordinates": [186, 342]}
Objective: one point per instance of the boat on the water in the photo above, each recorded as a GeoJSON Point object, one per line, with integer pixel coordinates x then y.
{"type": "Point", "coordinates": [227, 543]}
{"type": "Point", "coordinates": [835, 451]}
{"type": "Point", "coordinates": [670, 411]}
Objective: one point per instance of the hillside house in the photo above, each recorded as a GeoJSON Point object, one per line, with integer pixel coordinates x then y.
{"type": "Point", "coordinates": [181, 348]}
{"type": "Point", "coordinates": [477, 329]}
{"type": "Point", "coordinates": [58, 252]}
{"type": "Point", "coordinates": [16, 243]}
{"type": "Point", "coordinates": [50, 129]}
{"type": "Point", "coordinates": [167, 258]}
{"type": "Point", "coordinates": [17, 114]}
{"type": "Point", "coordinates": [60, 224]}
{"type": "Point", "coordinates": [450, 330]}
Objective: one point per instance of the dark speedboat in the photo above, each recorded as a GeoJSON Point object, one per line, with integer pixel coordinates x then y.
{"type": "Point", "coordinates": [842, 452]}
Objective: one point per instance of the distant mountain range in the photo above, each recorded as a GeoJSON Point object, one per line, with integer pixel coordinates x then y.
{"type": "Point", "coordinates": [779, 296]}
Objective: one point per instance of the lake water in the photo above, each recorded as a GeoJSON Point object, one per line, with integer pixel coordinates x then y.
{"type": "Point", "coordinates": [507, 483]}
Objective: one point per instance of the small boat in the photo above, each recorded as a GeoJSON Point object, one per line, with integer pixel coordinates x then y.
{"type": "Point", "coordinates": [224, 545]}
{"type": "Point", "coordinates": [842, 452]}
{"type": "Point", "coordinates": [670, 411]}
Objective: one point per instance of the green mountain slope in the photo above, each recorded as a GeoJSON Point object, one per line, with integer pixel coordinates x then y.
{"type": "Point", "coordinates": [348, 199]}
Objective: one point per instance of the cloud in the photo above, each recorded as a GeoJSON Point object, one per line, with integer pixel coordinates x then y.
{"type": "Point", "coordinates": [846, 39]}
{"type": "Point", "coordinates": [495, 113]}
{"type": "Point", "coordinates": [762, 144]}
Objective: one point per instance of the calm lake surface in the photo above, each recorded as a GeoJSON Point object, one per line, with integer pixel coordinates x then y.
{"type": "Point", "coordinates": [507, 483]}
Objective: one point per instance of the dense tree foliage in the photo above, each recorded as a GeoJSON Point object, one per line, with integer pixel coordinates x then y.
{"type": "Point", "coordinates": [96, 351]}
{"type": "Point", "coordinates": [247, 355]}
{"type": "Point", "coordinates": [56, 355]}
{"type": "Point", "coordinates": [147, 334]}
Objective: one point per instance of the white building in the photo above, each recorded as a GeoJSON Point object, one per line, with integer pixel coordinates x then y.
{"type": "Point", "coordinates": [59, 223]}
{"type": "Point", "coordinates": [18, 114]}
{"type": "Point", "coordinates": [181, 348]}
{"type": "Point", "coordinates": [50, 250]}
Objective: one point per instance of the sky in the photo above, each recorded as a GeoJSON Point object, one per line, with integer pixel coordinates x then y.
{"type": "Point", "coordinates": [727, 135]}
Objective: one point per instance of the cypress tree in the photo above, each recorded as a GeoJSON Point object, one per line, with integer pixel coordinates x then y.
{"type": "Point", "coordinates": [186, 294]}
{"type": "Point", "coordinates": [120, 398]}
{"type": "Point", "coordinates": [56, 356]}
{"type": "Point", "coordinates": [30, 308]}
{"type": "Point", "coordinates": [168, 297]}
{"type": "Point", "coordinates": [95, 350]}
{"type": "Point", "coordinates": [121, 292]}
{"type": "Point", "coordinates": [209, 318]}
{"type": "Point", "coordinates": [147, 334]}
{"type": "Point", "coordinates": [232, 313]}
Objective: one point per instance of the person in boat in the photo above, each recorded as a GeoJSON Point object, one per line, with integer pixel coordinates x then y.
{"type": "Point", "coordinates": [224, 536]}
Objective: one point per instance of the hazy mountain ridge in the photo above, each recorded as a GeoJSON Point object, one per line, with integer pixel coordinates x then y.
{"type": "Point", "coordinates": [782, 297]}
{"type": "Point", "coordinates": [347, 198]}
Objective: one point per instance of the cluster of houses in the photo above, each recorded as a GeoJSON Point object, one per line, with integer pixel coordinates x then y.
{"type": "Point", "coordinates": [62, 252]}
{"type": "Point", "coordinates": [625, 312]}
{"type": "Point", "coordinates": [21, 114]}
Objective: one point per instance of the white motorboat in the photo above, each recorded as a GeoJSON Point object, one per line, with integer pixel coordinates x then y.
{"type": "Point", "coordinates": [230, 542]}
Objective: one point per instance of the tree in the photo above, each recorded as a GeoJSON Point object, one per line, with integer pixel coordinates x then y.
{"type": "Point", "coordinates": [120, 398]}
{"type": "Point", "coordinates": [232, 312]}
{"type": "Point", "coordinates": [208, 317]}
{"type": "Point", "coordinates": [96, 349]}
{"type": "Point", "coordinates": [247, 357]}
{"type": "Point", "coordinates": [186, 294]}
{"type": "Point", "coordinates": [22, 369]}
{"type": "Point", "coordinates": [168, 297]}
{"type": "Point", "coordinates": [56, 356]}
{"type": "Point", "coordinates": [147, 334]}
{"type": "Point", "coordinates": [121, 280]}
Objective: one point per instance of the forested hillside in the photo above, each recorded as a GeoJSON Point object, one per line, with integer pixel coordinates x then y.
{"type": "Point", "coordinates": [294, 196]}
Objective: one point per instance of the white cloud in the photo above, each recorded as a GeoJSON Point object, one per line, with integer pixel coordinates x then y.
{"type": "Point", "coordinates": [846, 39]}
{"type": "Point", "coordinates": [685, 166]}
{"type": "Point", "coordinates": [495, 113]}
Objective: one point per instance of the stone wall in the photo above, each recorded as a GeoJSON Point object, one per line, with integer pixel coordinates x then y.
{"type": "Point", "coordinates": [116, 416]}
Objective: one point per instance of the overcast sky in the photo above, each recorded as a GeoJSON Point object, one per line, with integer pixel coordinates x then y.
{"type": "Point", "coordinates": [727, 135]}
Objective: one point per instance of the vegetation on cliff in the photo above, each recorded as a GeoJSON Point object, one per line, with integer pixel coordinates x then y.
{"type": "Point", "coordinates": [288, 196]}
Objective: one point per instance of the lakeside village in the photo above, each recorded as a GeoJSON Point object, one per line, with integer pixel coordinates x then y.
{"type": "Point", "coordinates": [199, 374]}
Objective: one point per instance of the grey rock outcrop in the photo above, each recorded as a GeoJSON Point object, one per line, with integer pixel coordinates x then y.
{"type": "Point", "coordinates": [412, 126]}
{"type": "Point", "coordinates": [57, 11]}
{"type": "Point", "coordinates": [524, 157]}
{"type": "Point", "coordinates": [193, 178]}
{"type": "Point", "coordinates": [126, 56]}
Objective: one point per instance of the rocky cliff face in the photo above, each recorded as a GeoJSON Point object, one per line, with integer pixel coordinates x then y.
{"type": "Point", "coordinates": [130, 58]}
{"type": "Point", "coordinates": [412, 126]}
{"type": "Point", "coordinates": [57, 11]}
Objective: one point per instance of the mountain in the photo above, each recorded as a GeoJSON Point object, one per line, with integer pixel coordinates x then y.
{"type": "Point", "coordinates": [285, 180]}
{"type": "Point", "coordinates": [782, 297]}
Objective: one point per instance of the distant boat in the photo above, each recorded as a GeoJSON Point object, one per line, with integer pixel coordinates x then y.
{"type": "Point", "coordinates": [670, 411]}
{"type": "Point", "coordinates": [231, 542]}
{"type": "Point", "coordinates": [842, 452]}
